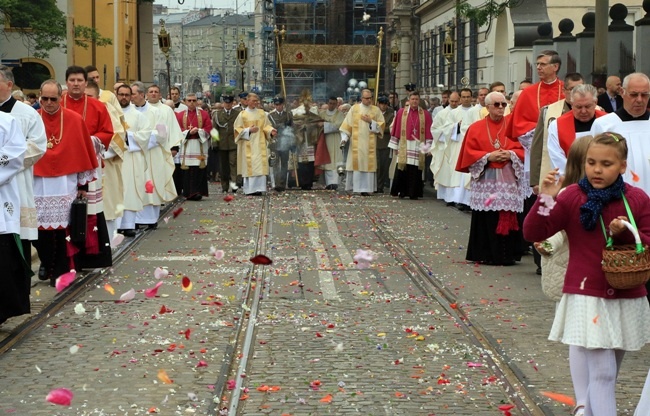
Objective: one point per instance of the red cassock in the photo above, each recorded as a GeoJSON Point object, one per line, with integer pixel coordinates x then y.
{"type": "Point", "coordinates": [193, 121]}
{"type": "Point", "coordinates": [566, 129]}
{"type": "Point", "coordinates": [74, 153]}
{"type": "Point", "coordinates": [477, 143]}
{"type": "Point", "coordinates": [526, 113]}
{"type": "Point", "coordinates": [95, 115]}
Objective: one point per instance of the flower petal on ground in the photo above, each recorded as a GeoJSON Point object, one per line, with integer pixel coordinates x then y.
{"type": "Point", "coordinates": [60, 396]}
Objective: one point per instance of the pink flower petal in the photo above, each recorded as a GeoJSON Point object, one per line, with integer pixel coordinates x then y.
{"type": "Point", "coordinates": [202, 364]}
{"type": "Point", "coordinates": [127, 296]}
{"type": "Point", "coordinates": [160, 273]}
{"type": "Point", "coordinates": [218, 254]}
{"type": "Point", "coordinates": [60, 396]}
{"type": "Point", "coordinates": [490, 200]}
{"type": "Point", "coordinates": [65, 280]}
{"type": "Point", "coordinates": [152, 292]}
{"type": "Point", "coordinates": [148, 187]}
{"type": "Point", "coordinates": [117, 240]}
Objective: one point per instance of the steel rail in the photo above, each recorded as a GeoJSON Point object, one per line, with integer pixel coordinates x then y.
{"type": "Point", "coordinates": [78, 287]}
{"type": "Point", "coordinates": [512, 385]}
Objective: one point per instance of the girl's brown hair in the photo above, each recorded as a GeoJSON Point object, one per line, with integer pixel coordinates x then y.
{"type": "Point", "coordinates": [575, 161]}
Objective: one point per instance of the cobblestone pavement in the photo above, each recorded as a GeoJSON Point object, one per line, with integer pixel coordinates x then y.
{"type": "Point", "coordinates": [330, 338]}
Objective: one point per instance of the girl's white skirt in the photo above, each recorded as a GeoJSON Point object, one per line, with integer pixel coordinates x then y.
{"type": "Point", "coordinates": [594, 322]}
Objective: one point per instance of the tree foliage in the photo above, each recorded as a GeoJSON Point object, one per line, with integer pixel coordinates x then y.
{"type": "Point", "coordinates": [43, 26]}
{"type": "Point", "coordinates": [484, 13]}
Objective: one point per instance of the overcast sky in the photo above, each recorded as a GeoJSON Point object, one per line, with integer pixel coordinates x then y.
{"type": "Point", "coordinates": [244, 5]}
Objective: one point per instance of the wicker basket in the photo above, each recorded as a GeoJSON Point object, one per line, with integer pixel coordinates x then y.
{"type": "Point", "coordinates": [627, 266]}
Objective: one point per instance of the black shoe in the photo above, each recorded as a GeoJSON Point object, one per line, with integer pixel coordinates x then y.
{"type": "Point", "coordinates": [42, 275]}
{"type": "Point", "coordinates": [255, 194]}
{"type": "Point", "coordinates": [279, 188]}
{"type": "Point", "coordinates": [538, 271]}
{"type": "Point", "coordinates": [196, 197]}
{"type": "Point", "coordinates": [365, 194]}
{"type": "Point", "coordinates": [127, 232]}
{"type": "Point", "coordinates": [379, 191]}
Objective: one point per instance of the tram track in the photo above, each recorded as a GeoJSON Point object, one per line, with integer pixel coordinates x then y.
{"type": "Point", "coordinates": [236, 359]}
{"type": "Point", "coordinates": [423, 278]}
{"type": "Point", "coordinates": [78, 287]}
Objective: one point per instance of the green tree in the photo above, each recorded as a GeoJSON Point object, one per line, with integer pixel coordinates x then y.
{"type": "Point", "coordinates": [484, 13]}
{"type": "Point", "coordinates": [43, 26]}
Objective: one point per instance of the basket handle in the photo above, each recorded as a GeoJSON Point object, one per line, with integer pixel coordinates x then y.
{"type": "Point", "coordinates": [637, 237]}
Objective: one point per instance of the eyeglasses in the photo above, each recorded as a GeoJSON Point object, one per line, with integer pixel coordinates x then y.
{"type": "Point", "coordinates": [636, 95]}
{"type": "Point", "coordinates": [366, 98]}
{"type": "Point", "coordinates": [497, 105]}
{"type": "Point", "coordinates": [190, 101]}
{"type": "Point", "coordinates": [53, 99]}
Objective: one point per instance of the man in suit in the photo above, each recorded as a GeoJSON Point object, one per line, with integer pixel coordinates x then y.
{"type": "Point", "coordinates": [610, 100]}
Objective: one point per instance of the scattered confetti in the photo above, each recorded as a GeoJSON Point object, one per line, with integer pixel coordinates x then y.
{"type": "Point", "coordinates": [635, 177]}
{"type": "Point", "coordinates": [79, 309]}
{"type": "Point", "coordinates": [60, 396]}
{"type": "Point", "coordinates": [326, 399]}
{"type": "Point", "coordinates": [160, 273]}
{"type": "Point", "coordinates": [148, 187]}
{"type": "Point", "coordinates": [74, 349]}
{"type": "Point", "coordinates": [65, 280]}
{"type": "Point", "coordinates": [153, 292]}
{"type": "Point", "coordinates": [178, 212]}
{"type": "Point", "coordinates": [505, 408]}
{"type": "Point", "coordinates": [546, 205]}
{"type": "Point", "coordinates": [561, 398]}
{"type": "Point", "coordinates": [163, 377]}
{"type": "Point", "coordinates": [117, 240]}
{"type": "Point", "coordinates": [109, 289]}
{"type": "Point", "coordinates": [261, 259]}
{"type": "Point", "coordinates": [186, 284]}
{"type": "Point", "coordinates": [128, 296]}
{"type": "Point", "coordinates": [228, 198]}
{"type": "Point", "coordinates": [218, 254]}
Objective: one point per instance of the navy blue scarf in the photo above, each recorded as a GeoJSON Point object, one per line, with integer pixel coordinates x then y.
{"type": "Point", "coordinates": [596, 199]}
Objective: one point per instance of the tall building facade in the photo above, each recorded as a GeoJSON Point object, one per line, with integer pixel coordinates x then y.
{"type": "Point", "coordinates": [318, 22]}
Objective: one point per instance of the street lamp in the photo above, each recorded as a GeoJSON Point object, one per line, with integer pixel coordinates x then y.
{"type": "Point", "coordinates": [255, 73]}
{"type": "Point", "coordinates": [242, 57]}
{"type": "Point", "coordinates": [395, 55]}
{"type": "Point", "coordinates": [165, 44]}
{"type": "Point", "coordinates": [448, 51]}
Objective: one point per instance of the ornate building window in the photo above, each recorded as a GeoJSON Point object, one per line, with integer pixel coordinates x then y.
{"type": "Point", "coordinates": [441, 59]}
{"type": "Point", "coordinates": [473, 52]}
{"type": "Point", "coordinates": [32, 72]}
{"type": "Point", "coordinates": [435, 56]}
{"type": "Point", "coordinates": [460, 51]}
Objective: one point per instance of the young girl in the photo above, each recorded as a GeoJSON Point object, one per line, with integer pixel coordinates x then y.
{"type": "Point", "coordinates": [600, 322]}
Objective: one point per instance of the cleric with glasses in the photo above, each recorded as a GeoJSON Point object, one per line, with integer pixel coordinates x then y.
{"type": "Point", "coordinates": [496, 165]}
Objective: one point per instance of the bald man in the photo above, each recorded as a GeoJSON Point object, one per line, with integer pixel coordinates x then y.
{"type": "Point", "coordinates": [611, 99]}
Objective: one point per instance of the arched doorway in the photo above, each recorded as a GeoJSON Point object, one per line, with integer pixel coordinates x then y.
{"type": "Point", "coordinates": [196, 86]}
{"type": "Point", "coordinates": [31, 73]}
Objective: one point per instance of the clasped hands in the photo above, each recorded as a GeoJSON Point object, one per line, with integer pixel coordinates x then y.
{"type": "Point", "coordinates": [499, 156]}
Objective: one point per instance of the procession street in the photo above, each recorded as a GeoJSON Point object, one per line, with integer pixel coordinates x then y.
{"type": "Point", "coordinates": [408, 328]}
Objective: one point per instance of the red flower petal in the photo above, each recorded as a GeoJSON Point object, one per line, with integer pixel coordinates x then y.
{"type": "Point", "coordinates": [187, 284]}
{"type": "Point", "coordinates": [177, 212]}
{"type": "Point", "coordinates": [148, 187]}
{"type": "Point", "coordinates": [60, 396]}
{"type": "Point", "coordinates": [261, 259]}
{"type": "Point", "coordinates": [187, 333]}
{"type": "Point", "coordinates": [228, 198]}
